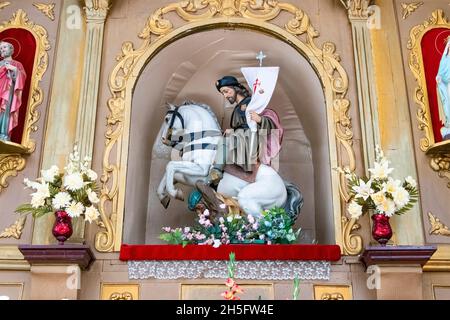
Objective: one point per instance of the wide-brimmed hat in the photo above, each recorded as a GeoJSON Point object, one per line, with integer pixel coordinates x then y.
{"type": "Point", "coordinates": [228, 81]}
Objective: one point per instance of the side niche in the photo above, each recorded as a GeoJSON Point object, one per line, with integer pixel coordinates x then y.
{"type": "Point", "coordinates": [30, 45]}
{"type": "Point", "coordinates": [429, 61]}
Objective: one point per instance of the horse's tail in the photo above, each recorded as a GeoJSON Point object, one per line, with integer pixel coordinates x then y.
{"type": "Point", "coordinates": [294, 202]}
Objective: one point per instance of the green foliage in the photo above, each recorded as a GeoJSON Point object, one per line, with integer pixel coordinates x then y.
{"type": "Point", "coordinates": [175, 237]}
{"type": "Point", "coordinates": [231, 265]}
{"type": "Point", "coordinates": [35, 212]}
{"type": "Point", "coordinates": [277, 226]}
{"type": "Point", "coordinates": [296, 292]}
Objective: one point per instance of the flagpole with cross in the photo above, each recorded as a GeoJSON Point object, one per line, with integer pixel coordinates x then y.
{"type": "Point", "coordinates": [253, 137]}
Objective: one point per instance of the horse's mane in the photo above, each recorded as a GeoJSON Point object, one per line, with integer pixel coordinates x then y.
{"type": "Point", "coordinates": [203, 106]}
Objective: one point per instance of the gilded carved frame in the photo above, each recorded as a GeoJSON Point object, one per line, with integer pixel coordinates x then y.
{"type": "Point", "coordinates": [12, 157]}
{"type": "Point", "coordinates": [197, 16]}
{"type": "Point", "coordinates": [439, 153]}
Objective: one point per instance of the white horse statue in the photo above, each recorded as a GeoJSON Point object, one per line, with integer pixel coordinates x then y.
{"type": "Point", "coordinates": [194, 130]}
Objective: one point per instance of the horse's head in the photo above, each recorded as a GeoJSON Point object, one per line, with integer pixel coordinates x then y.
{"type": "Point", "coordinates": [173, 123]}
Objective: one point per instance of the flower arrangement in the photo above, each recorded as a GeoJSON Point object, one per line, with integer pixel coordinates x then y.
{"type": "Point", "coordinates": [274, 227]}
{"type": "Point", "coordinates": [73, 191]}
{"type": "Point", "coordinates": [380, 192]}
{"type": "Point", "coordinates": [232, 287]}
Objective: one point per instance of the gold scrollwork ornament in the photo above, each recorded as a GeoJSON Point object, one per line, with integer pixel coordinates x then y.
{"type": "Point", "coordinates": [158, 32]}
{"type": "Point", "coordinates": [4, 4]}
{"type": "Point", "coordinates": [332, 296]}
{"type": "Point", "coordinates": [15, 230]}
{"type": "Point", "coordinates": [10, 165]}
{"type": "Point", "coordinates": [47, 9]}
{"type": "Point", "coordinates": [437, 227]}
{"type": "Point", "coordinates": [121, 296]}
{"type": "Point", "coordinates": [410, 8]}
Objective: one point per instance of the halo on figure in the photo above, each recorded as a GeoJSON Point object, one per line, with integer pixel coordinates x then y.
{"type": "Point", "coordinates": [441, 37]}
{"type": "Point", "coordinates": [16, 44]}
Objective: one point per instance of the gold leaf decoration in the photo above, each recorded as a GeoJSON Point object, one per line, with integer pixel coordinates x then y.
{"type": "Point", "coordinates": [410, 8]}
{"type": "Point", "coordinates": [4, 4]}
{"type": "Point", "coordinates": [332, 296]}
{"type": "Point", "coordinates": [9, 167]}
{"type": "Point", "coordinates": [47, 9]}
{"type": "Point", "coordinates": [353, 244]}
{"type": "Point", "coordinates": [437, 227]}
{"type": "Point", "coordinates": [15, 230]}
{"type": "Point", "coordinates": [121, 296]}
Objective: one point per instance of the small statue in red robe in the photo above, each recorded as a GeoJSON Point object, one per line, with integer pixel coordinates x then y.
{"type": "Point", "coordinates": [12, 82]}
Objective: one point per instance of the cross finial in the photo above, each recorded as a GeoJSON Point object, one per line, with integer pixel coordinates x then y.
{"type": "Point", "coordinates": [261, 56]}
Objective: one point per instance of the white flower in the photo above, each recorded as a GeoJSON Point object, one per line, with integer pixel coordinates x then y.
{"type": "Point", "coordinates": [378, 198]}
{"type": "Point", "coordinates": [381, 170]}
{"type": "Point", "coordinates": [91, 214]}
{"type": "Point", "coordinates": [410, 180]}
{"type": "Point", "coordinates": [392, 186]}
{"type": "Point", "coordinates": [61, 200]}
{"type": "Point", "coordinates": [31, 184]}
{"type": "Point", "coordinates": [401, 197]}
{"type": "Point", "coordinates": [49, 175]}
{"type": "Point", "coordinates": [75, 209]}
{"type": "Point", "coordinates": [37, 200]}
{"type": "Point", "coordinates": [230, 219]}
{"type": "Point", "coordinates": [364, 190]}
{"type": "Point", "coordinates": [221, 220]}
{"type": "Point", "coordinates": [93, 198]}
{"type": "Point", "coordinates": [42, 192]}
{"type": "Point", "coordinates": [217, 243]}
{"type": "Point", "coordinates": [387, 207]}
{"type": "Point", "coordinates": [251, 219]}
{"type": "Point", "coordinates": [355, 210]}
{"type": "Point", "coordinates": [74, 182]}
{"type": "Point", "coordinates": [92, 175]}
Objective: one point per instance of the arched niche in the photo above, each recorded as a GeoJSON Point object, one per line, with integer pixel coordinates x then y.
{"type": "Point", "coordinates": [293, 28]}
{"type": "Point", "coordinates": [207, 56]}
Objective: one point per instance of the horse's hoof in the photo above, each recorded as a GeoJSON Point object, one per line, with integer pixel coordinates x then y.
{"type": "Point", "coordinates": [180, 195]}
{"type": "Point", "coordinates": [165, 202]}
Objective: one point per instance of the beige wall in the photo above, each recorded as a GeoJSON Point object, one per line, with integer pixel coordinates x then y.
{"type": "Point", "coordinates": [435, 194]}
{"type": "Point", "coordinates": [15, 194]}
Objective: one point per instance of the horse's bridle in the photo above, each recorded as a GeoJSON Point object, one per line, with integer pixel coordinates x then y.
{"type": "Point", "coordinates": [175, 114]}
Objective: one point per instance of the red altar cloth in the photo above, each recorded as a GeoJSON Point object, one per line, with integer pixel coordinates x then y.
{"type": "Point", "coordinates": [242, 251]}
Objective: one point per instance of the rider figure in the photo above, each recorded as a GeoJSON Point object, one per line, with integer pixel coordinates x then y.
{"type": "Point", "coordinates": [238, 147]}
{"type": "Point", "coordinates": [240, 152]}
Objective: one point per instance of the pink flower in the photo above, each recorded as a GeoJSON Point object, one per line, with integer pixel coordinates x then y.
{"type": "Point", "coordinates": [228, 295]}
{"type": "Point", "coordinates": [230, 283]}
{"type": "Point", "coordinates": [236, 289]}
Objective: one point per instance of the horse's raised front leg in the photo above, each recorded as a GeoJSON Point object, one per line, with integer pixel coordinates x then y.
{"type": "Point", "coordinates": [162, 193]}
{"type": "Point", "coordinates": [184, 168]}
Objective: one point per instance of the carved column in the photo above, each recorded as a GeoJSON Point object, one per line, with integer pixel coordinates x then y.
{"type": "Point", "coordinates": [96, 12]}
{"type": "Point", "coordinates": [63, 102]}
{"type": "Point", "coordinates": [358, 14]}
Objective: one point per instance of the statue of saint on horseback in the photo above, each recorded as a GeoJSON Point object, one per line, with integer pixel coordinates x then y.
{"type": "Point", "coordinates": [235, 167]}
